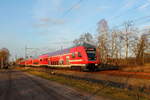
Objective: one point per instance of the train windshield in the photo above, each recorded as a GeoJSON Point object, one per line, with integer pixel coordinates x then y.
{"type": "Point", "coordinates": [91, 53]}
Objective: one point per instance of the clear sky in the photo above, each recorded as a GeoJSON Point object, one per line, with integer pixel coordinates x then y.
{"type": "Point", "coordinates": [54, 23]}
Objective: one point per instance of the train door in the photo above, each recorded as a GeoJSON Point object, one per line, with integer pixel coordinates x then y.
{"type": "Point", "coordinates": [67, 60]}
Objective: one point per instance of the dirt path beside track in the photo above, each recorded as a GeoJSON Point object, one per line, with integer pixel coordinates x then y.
{"type": "Point", "coordinates": [17, 85]}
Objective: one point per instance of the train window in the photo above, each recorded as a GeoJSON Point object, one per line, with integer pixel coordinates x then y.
{"type": "Point", "coordinates": [73, 55]}
{"type": "Point", "coordinates": [79, 54]}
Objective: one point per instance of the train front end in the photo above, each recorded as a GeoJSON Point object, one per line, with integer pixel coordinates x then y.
{"type": "Point", "coordinates": [92, 58]}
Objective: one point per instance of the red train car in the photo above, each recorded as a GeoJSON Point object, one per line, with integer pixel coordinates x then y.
{"type": "Point", "coordinates": [84, 57]}
{"type": "Point", "coordinates": [28, 62]}
{"type": "Point", "coordinates": [43, 60]}
{"type": "Point", "coordinates": [35, 62]}
{"type": "Point", "coordinates": [21, 63]}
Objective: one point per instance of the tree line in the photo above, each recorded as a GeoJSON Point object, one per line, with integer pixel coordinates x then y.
{"type": "Point", "coordinates": [4, 58]}
{"type": "Point", "coordinates": [124, 46]}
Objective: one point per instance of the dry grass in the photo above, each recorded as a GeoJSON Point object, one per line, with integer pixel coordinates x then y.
{"type": "Point", "coordinates": [144, 68]}
{"type": "Point", "coordinates": [93, 88]}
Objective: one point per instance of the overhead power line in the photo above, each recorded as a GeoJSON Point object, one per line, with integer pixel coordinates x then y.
{"type": "Point", "coordinates": [136, 20]}
{"type": "Point", "coordinates": [128, 10]}
{"type": "Point", "coordinates": [71, 8]}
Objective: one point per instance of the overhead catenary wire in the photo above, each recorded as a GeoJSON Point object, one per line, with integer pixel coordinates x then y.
{"type": "Point", "coordinates": [136, 20]}
{"type": "Point", "coordinates": [38, 51]}
{"type": "Point", "coordinates": [128, 10]}
{"type": "Point", "coordinates": [72, 7]}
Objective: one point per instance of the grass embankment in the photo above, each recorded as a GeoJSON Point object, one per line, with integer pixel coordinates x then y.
{"type": "Point", "coordinates": [92, 88]}
{"type": "Point", "coordinates": [142, 68]}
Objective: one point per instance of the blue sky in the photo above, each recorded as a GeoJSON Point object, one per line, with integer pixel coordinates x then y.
{"type": "Point", "coordinates": [54, 23]}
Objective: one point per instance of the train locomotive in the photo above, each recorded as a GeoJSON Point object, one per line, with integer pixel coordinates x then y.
{"type": "Point", "coordinates": [80, 57]}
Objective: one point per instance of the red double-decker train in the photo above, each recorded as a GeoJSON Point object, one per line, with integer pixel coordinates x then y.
{"type": "Point", "coordinates": [82, 57]}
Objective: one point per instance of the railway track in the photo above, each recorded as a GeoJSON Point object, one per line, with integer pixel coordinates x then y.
{"type": "Point", "coordinates": [140, 75]}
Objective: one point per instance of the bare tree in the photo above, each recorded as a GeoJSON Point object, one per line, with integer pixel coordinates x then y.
{"type": "Point", "coordinates": [114, 46]}
{"type": "Point", "coordinates": [4, 57]}
{"type": "Point", "coordinates": [86, 37]}
{"type": "Point", "coordinates": [121, 44]}
{"type": "Point", "coordinates": [102, 26]}
{"type": "Point", "coordinates": [103, 40]}
{"type": "Point", "coordinates": [129, 39]}
{"type": "Point", "coordinates": [143, 45]}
